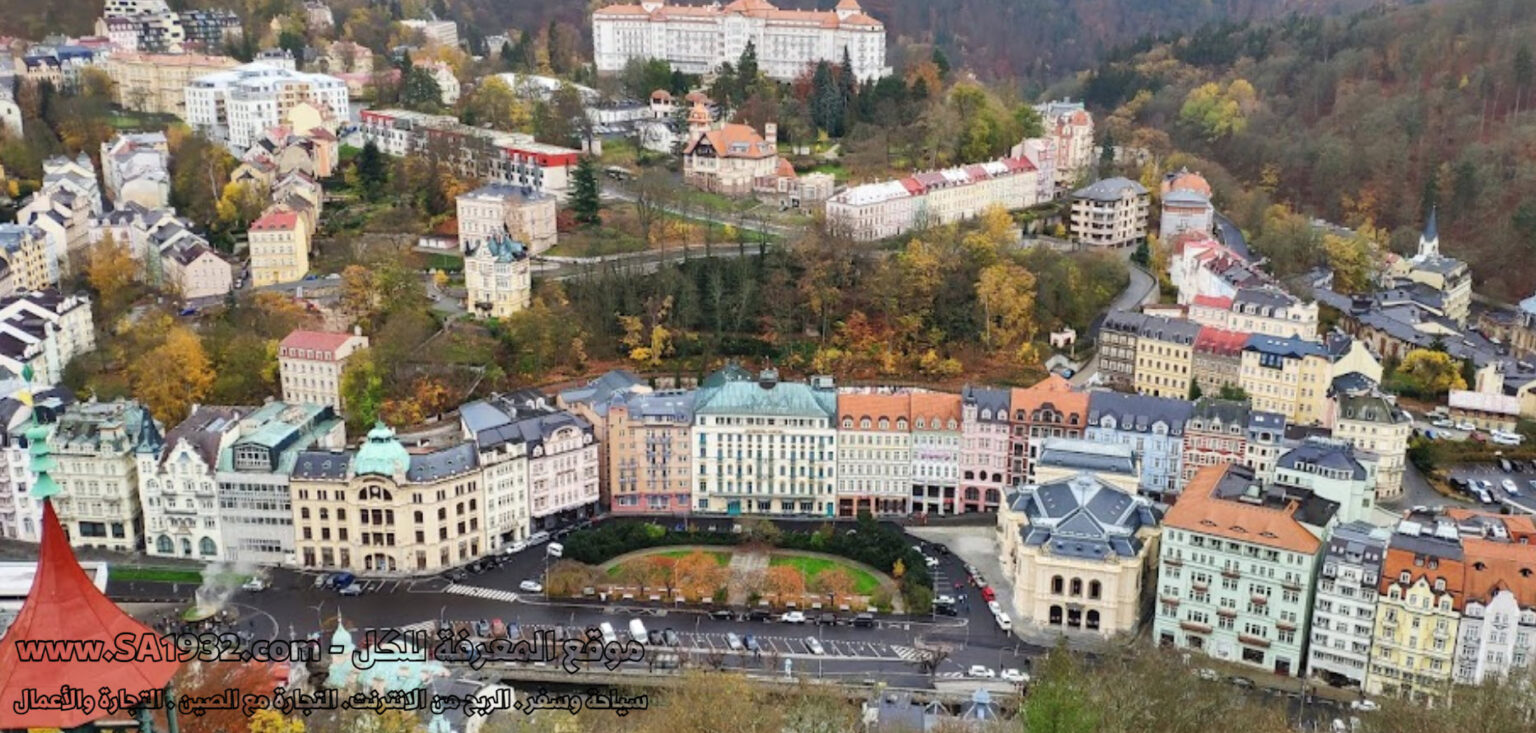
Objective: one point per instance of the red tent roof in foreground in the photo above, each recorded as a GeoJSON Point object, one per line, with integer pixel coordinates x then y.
{"type": "Point", "coordinates": [64, 605]}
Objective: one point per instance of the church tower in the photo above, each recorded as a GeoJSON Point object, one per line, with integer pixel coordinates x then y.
{"type": "Point", "coordinates": [1429, 240]}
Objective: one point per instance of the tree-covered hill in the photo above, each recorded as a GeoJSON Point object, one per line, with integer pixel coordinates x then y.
{"type": "Point", "coordinates": [1368, 118]}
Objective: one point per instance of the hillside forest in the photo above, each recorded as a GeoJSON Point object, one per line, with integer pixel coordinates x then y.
{"type": "Point", "coordinates": [1367, 121]}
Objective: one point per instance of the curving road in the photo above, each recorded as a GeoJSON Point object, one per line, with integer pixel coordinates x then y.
{"type": "Point", "coordinates": [1232, 237]}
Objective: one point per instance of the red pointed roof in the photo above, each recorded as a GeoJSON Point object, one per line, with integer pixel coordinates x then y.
{"type": "Point", "coordinates": [64, 605]}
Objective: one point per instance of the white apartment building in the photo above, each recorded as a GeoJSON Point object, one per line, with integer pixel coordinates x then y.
{"type": "Point", "coordinates": [562, 458]}
{"type": "Point", "coordinates": [874, 454]}
{"type": "Point", "coordinates": [937, 422]}
{"type": "Point", "coordinates": [136, 167]}
{"type": "Point", "coordinates": [765, 446]}
{"type": "Point", "coordinates": [237, 105]}
{"type": "Point", "coordinates": [1375, 424]}
{"type": "Point", "coordinates": [254, 503]}
{"type": "Point", "coordinates": [1344, 604]}
{"type": "Point", "coordinates": [890, 208]}
{"type": "Point", "coordinates": [497, 208]}
{"type": "Point", "coordinates": [1110, 213]}
{"type": "Point", "coordinates": [92, 445]}
{"type": "Point", "coordinates": [513, 159]}
{"type": "Point", "coordinates": [44, 330]}
{"type": "Point", "coordinates": [447, 83]}
{"type": "Point", "coordinates": [698, 39]}
{"type": "Point", "coordinates": [310, 364]}
{"type": "Point", "coordinates": [177, 483]}
{"type": "Point", "coordinates": [440, 32]}
{"type": "Point", "coordinates": [504, 474]}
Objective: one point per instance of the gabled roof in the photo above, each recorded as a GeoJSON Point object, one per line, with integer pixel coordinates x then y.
{"type": "Point", "coordinates": [1138, 413]}
{"type": "Point", "coordinates": [1083, 517]}
{"type": "Point", "coordinates": [1227, 501]}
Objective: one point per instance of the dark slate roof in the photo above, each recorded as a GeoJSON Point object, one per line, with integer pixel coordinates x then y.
{"type": "Point", "coordinates": [1083, 517]}
{"type": "Point", "coordinates": [1359, 542]}
{"type": "Point", "coordinates": [1293, 348]}
{"type": "Point", "coordinates": [1369, 408]}
{"type": "Point", "coordinates": [1260, 420]}
{"type": "Point", "coordinates": [323, 465]}
{"type": "Point", "coordinates": [1138, 413]}
{"type": "Point", "coordinates": [1172, 330]}
{"type": "Point", "coordinates": [203, 430]}
{"type": "Point", "coordinates": [1229, 412]}
{"type": "Point", "coordinates": [598, 391]}
{"type": "Point", "coordinates": [1268, 299]}
{"type": "Point", "coordinates": [1238, 483]}
{"type": "Point", "coordinates": [1110, 189]}
{"type": "Point", "coordinates": [1084, 455]}
{"type": "Point", "coordinates": [1125, 321]}
{"type": "Point", "coordinates": [986, 398]}
{"type": "Point", "coordinates": [1334, 455]}
{"type": "Point", "coordinates": [442, 463]}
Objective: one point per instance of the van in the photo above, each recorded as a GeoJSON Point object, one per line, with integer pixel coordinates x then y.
{"type": "Point", "coordinates": [637, 631]}
{"type": "Point", "coordinates": [864, 620]}
{"type": "Point", "coordinates": [607, 630]}
{"type": "Point", "coordinates": [1004, 623]}
{"type": "Point", "coordinates": [555, 549]}
{"type": "Point", "coordinates": [538, 538]}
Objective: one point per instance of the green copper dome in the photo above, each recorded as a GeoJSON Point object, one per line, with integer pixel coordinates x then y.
{"type": "Point", "coordinates": [381, 454]}
{"type": "Point", "coordinates": [42, 462]}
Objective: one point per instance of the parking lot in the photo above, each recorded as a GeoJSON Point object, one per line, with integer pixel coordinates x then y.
{"type": "Point", "coordinates": [1522, 478]}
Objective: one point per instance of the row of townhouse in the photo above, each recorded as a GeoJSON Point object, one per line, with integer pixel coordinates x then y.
{"type": "Point", "coordinates": [890, 208]}
{"type": "Point", "coordinates": [1277, 577]}
{"type": "Point", "coordinates": [513, 159]}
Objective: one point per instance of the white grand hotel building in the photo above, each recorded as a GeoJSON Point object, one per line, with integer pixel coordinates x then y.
{"type": "Point", "coordinates": [697, 39]}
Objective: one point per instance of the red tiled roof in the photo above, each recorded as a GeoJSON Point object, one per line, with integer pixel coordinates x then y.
{"type": "Point", "coordinates": [1212, 340]}
{"type": "Point", "coordinates": [1019, 164]}
{"type": "Point", "coordinates": [941, 406]}
{"type": "Point", "coordinates": [1055, 391]}
{"type": "Point", "coordinates": [316, 340]}
{"type": "Point", "coordinates": [875, 406]}
{"type": "Point", "coordinates": [1214, 301]}
{"type": "Point", "coordinates": [274, 220]}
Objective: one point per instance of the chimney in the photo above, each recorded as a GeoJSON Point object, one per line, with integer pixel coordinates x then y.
{"type": "Point", "coordinates": [768, 378]}
{"type": "Point", "coordinates": [771, 133]}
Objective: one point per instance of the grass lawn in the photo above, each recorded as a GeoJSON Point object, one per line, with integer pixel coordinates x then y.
{"type": "Point", "coordinates": [596, 242]}
{"type": "Point", "coordinates": [166, 575]}
{"type": "Point", "coordinates": [721, 558]}
{"type": "Point", "coordinates": [864, 582]}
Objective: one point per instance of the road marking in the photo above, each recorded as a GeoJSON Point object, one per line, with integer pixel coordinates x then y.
{"type": "Point", "coordinates": [478, 592]}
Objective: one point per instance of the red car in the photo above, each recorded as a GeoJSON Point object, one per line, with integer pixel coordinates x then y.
{"type": "Point", "coordinates": [987, 594]}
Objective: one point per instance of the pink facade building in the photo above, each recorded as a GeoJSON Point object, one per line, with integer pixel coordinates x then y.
{"type": "Point", "coordinates": [983, 451]}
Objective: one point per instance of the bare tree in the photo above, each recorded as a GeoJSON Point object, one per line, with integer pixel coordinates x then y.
{"type": "Point", "coordinates": [653, 190]}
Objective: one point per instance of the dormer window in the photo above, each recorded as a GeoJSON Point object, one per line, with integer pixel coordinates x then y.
{"type": "Point", "coordinates": [864, 424]}
{"type": "Point", "coordinates": [901, 425]}
{"type": "Point", "coordinates": [847, 423]}
{"type": "Point", "coordinates": [885, 424]}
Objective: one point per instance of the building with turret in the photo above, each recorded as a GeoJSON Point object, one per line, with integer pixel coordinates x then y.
{"type": "Point", "coordinates": [498, 277]}
{"type": "Point", "coordinates": [384, 510]}
{"type": "Point", "coordinates": [95, 466]}
{"type": "Point", "coordinates": [730, 158]}
{"type": "Point", "coordinates": [178, 483]}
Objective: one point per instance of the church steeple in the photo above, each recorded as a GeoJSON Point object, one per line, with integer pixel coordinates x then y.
{"type": "Point", "coordinates": [149, 439]}
{"type": "Point", "coordinates": [1429, 240]}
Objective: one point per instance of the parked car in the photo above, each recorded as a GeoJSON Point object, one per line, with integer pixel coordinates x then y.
{"type": "Point", "coordinates": [994, 607]}
{"type": "Point", "coordinates": [655, 638]}
{"type": "Point", "coordinates": [1504, 464]}
{"type": "Point", "coordinates": [1509, 487]}
{"type": "Point", "coordinates": [864, 620]}
{"type": "Point", "coordinates": [814, 645]}
{"type": "Point", "coordinates": [670, 637]}
{"type": "Point", "coordinates": [751, 643]}
{"type": "Point", "coordinates": [530, 586]}
{"type": "Point", "coordinates": [342, 580]}
{"type": "Point", "coordinates": [981, 671]}
{"type": "Point", "coordinates": [1014, 675]}
{"type": "Point", "coordinates": [794, 617]}
{"type": "Point", "coordinates": [351, 590]}
{"type": "Point", "coordinates": [322, 580]}
{"type": "Point", "coordinates": [827, 619]}
{"type": "Point", "coordinates": [637, 630]}
{"type": "Point", "coordinates": [606, 629]}
{"type": "Point", "coordinates": [1364, 704]}
{"type": "Point", "coordinates": [945, 610]}
{"type": "Point", "coordinates": [1003, 622]}
{"type": "Point", "coordinates": [483, 629]}
{"type": "Point", "coordinates": [1444, 422]}
{"type": "Point", "coordinates": [555, 549]}
{"type": "Point", "coordinates": [514, 548]}
{"type": "Point", "coordinates": [987, 594]}
{"type": "Point", "coordinates": [254, 585]}
{"type": "Point", "coordinates": [944, 600]}
{"type": "Point", "coordinates": [1468, 427]}
{"type": "Point", "coordinates": [734, 642]}
{"type": "Point", "coordinates": [722, 614]}
{"type": "Point", "coordinates": [538, 538]}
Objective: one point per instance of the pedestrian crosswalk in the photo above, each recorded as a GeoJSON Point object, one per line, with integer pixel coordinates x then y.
{"type": "Point", "coordinates": [908, 654]}
{"type": "Point", "coordinates": [950, 675]}
{"type": "Point", "coordinates": [475, 591]}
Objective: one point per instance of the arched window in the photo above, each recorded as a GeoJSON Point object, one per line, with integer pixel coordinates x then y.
{"type": "Point", "coordinates": [164, 545]}
{"type": "Point", "coordinates": [1056, 584]}
{"type": "Point", "coordinates": [921, 424]}
{"type": "Point", "coordinates": [864, 423]}
{"type": "Point", "coordinates": [971, 494]}
{"type": "Point", "coordinates": [207, 547]}
{"type": "Point", "coordinates": [1077, 586]}
{"type": "Point", "coordinates": [1093, 620]}
{"type": "Point", "coordinates": [418, 517]}
{"type": "Point", "coordinates": [885, 424]}
{"type": "Point", "coordinates": [1095, 589]}
{"type": "Point", "coordinates": [847, 423]}
{"type": "Point", "coordinates": [992, 496]}
{"type": "Point", "coordinates": [1055, 615]}
{"type": "Point", "coordinates": [901, 424]}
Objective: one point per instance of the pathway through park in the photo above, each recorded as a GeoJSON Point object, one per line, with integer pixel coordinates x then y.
{"type": "Point", "coordinates": [745, 564]}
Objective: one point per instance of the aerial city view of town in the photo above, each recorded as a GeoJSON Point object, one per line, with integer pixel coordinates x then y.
{"type": "Point", "coordinates": [767, 366]}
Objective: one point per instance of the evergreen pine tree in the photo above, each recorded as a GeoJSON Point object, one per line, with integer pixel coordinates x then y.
{"type": "Point", "coordinates": [1143, 254]}
{"type": "Point", "coordinates": [941, 61]}
{"type": "Point", "coordinates": [747, 71]}
{"type": "Point", "coordinates": [372, 173]}
{"type": "Point", "coordinates": [584, 194]}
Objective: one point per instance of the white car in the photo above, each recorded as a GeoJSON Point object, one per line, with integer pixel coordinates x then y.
{"type": "Point", "coordinates": [931, 562]}
{"type": "Point", "coordinates": [254, 585]}
{"type": "Point", "coordinates": [352, 590]}
{"type": "Point", "coordinates": [530, 586]}
{"type": "Point", "coordinates": [1469, 427]}
{"type": "Point", "coordinates": [1510, 487]}
{"type": "Point", "coordinates": [815, 646]}
{"type": "Point", "coordinates": [555, 549]}
{"type": "Point", "coordinates": [1364, 705]}
{"type": "Point", "coordinates": [514, 548]}
{"type": "Point", "coordinates": [1004, 623]}
{"type": "Point", "coordinates": [794, 617]}
{"type": "Point", "coordinates": [1014, 675]}
{"type": "Point", "coordinates": [982, 671]}
{"type": "Point", "coordinates": [1444, 422]}
{"type": "Point", "coordinates": [994, 607]}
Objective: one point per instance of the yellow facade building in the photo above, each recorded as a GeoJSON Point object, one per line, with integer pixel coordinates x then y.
{"type": "Point", "coordinates": [1289, 376]}
{"type": "Point", "coordinates": [279, 248]}
{"type": "Point", "coordinates": [1417, 616]}
{"type": "Point", "coordinates": [1165, 356]}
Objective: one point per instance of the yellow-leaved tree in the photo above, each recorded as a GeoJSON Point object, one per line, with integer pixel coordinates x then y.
{"type": "Point", "coordinates": [1432, 372]}
{"type": "Point", "coordinates": [110, 269]}
{"type": "Point", "coordinates": [172, 376]}
{"type": "Point", "coordinates": [1006, 294]}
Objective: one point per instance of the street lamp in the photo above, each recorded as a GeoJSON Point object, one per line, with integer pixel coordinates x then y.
{"type": "Point", "coordinates": [319, 620]}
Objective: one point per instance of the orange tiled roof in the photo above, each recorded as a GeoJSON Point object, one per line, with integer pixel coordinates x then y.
{"type": "Point", "coordinates": [1400, 559]}
{"type": "Point", "coordinates": [1492, 566]}
{"type": "Point", "coordinates": [1053, 390]}
{"type": "Point", "coordinates": [276, 218]}
{"type": "Point", "coordinates": [874, 407]}
{"type": "Point", "coordinates": [1199, 510]}
{"type": "Point", "coordinates": [941, 406]}
{"type": "Point", "coordinates": [734, 135]}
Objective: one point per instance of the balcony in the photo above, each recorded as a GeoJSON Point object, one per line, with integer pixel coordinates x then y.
{"type": "Point", "coordinates": [1253, 641]}
{"type": "Point", "coordinates": [1197, 628]}
{"type": "Point", "coordinates": [1173, 560]}
{"type": "Point", "coordinates": [1260, 599]}
{"type": "Point", "coordinates": [1291, 584]}
{"type": "Point", "coordinates": [1285, 626]}
{"type": "Point", "coordinates": [1202, 587]}
{"type": "Point", "coordinates": [1230, 572]}
{"type": "Point", "coordinates": [1170, 600]}
{"type": "Point", "coordinates": [1227, 612]}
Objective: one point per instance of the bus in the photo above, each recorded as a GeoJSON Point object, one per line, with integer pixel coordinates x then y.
{"type": "Point", "coordinates": [619, 173]}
